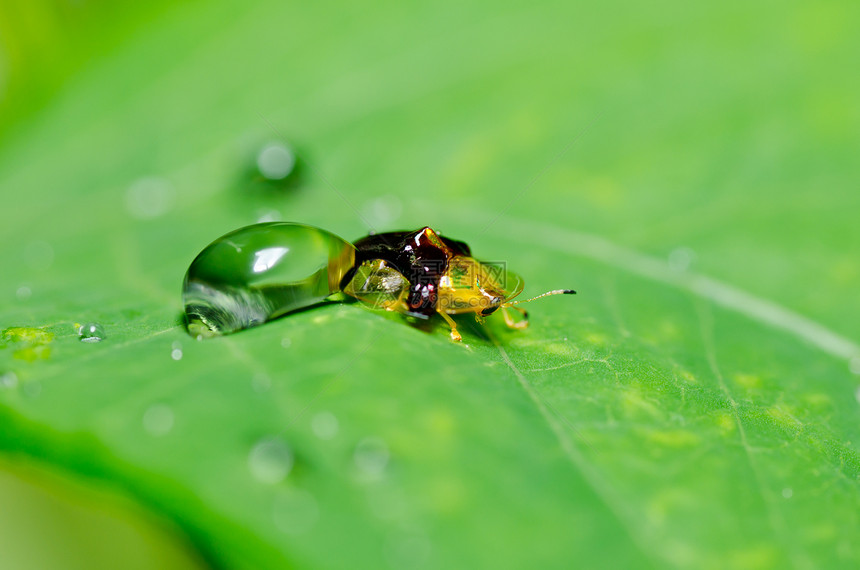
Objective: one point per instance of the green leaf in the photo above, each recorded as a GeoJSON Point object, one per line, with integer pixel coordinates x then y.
{"type": "Point", "coordinates": [689, 170]}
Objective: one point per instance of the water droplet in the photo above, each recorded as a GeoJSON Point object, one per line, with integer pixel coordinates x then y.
{"type": "Point", "coordinates": [286, 343]}
{"type": "Point", "coordinates": [681, 258]}
{"type": "Point", "coordinates": [23, 293]}
{"type": "Point", "coordinates": [270, 460]}
{"type": "Point", "coordinates": [91, 332]}
{"type": "Point", "coordinates": [261, 382]}
{"type": "Point", "coordinates": [149, 198]}
{"type": "Point", "coordinates": [158, 419]}
{"type": "Point", "coordinates": [854, 365]}
{"type": "Point", "coordinates": [324, 425]}
{"type": "Point", "coordinates": [276, 161]}
{"type": "Point", "coordinates": [787, 493]}
{"type": "Point", "coordinates": [176, 351]}
{"type": "Point", "coordinates": [39, 255]}
{"type": "Point", "coordinates": [238, 282]}
{"type": "Point", "coordinates": [405, 549]}
{"type": "Point", "coordinates": [294, 511]}
{"type": "Point", "coordinates": [371, 457]}
{"type": "Point", "coordinates": [857, 394]}
{"type": "Point", "coordinates": [8, 380]}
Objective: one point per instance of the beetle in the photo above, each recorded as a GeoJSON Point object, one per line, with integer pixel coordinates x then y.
{"type": "Point", "coordinates": [262, 271]}
{"type": "Point", "coordinates": [420, 273]}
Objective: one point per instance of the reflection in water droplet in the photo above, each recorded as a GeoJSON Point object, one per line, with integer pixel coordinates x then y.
{"type": "Point", "coordinates": [404, 549]}
{"type": "Point", "coordinates": [261, 382]}
{"type": "Point", "coordinates": [276, 161]}
{"type": "Point", "coordinates": [295, 511]}
{"type": "Point", "coordinates": [270, 460]}
{"type": "Point", "coordinates": [23, 293]}
{"type": "Point", "coordinates": [158, 419]}
{"type": "Point", "coordinates": [149, 198]}
{"type": "Point", "coordinates": [91, 332]}
{"type": "Point", "coordinates": [371, 457]}
{"type": "Point", "coordinates": [681, 258]}
{"type": "Point", "coordinates": [8, 380]}
{"type": "Point", "coordinates": [324, 425]}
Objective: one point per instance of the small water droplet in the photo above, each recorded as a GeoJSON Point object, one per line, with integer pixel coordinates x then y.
{"type": "Point", "coordinates": [158, 419]}
{"type": "Point", "coordinates": [681, 258]}
{"type": "Point", "coordinates": [787, 493]}
{"type": "Point", "coordinates": [91, 332]}
{"type": "Point", "coordinates": [294, 511]}
{"type": "Point", "coordinates": [371, 457]}
{"type": "Point", "coordinates": [286, 343]}
{"type": "Point", "coordinates": [8, 380]}
{"type": "Point", "coordinates": [23, 293]}
{"type": "Point", "coordinates": [324, 425]}
{"type": "Point", "coordinates": [270, 460]}
{"type": "Point", "coordinates": [261, 382]}
{"type": "Point", "coordinates": [276, 161]}
{"type": "Point", "coordinates": [149, 198]}
{"type": "Point", "coordinates": [176, 350]}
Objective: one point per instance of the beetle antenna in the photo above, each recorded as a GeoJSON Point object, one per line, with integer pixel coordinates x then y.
{"type": "Point", "coordinates": [548, 293]}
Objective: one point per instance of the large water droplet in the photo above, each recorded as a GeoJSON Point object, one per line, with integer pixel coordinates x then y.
{"type": "Point", "coordinates": [270, 460]}
{"type": "Point", "coordinates": [91, 332]}
{"type": "Point", "coordinates": [260, 272]}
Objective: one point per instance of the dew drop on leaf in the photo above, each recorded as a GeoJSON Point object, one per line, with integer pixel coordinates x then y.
{"type": "Point", "coordinates": [8, 380]}
{"type": "Point", "coordinates": [276, 161]}
{"type": "Point", "coordinates": [91, 332]}
{"type": "Point", "coordinates": [371, 457]}
{"type": "Point", "coordinates": [325, 425]}
{"type": "Point", "coordinates": [270, 460]}
{"type": "Point", "coordinates": [260, 272]}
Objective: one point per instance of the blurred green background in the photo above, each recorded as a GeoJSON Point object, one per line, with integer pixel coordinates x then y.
{"type": "Point", "coordinates": [690, 169]}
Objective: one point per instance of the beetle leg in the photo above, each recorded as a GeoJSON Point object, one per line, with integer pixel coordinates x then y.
{"type": "Point", "coordinates": [455, 336]}
{"type": "Point", "coordinates": [511, 322]}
